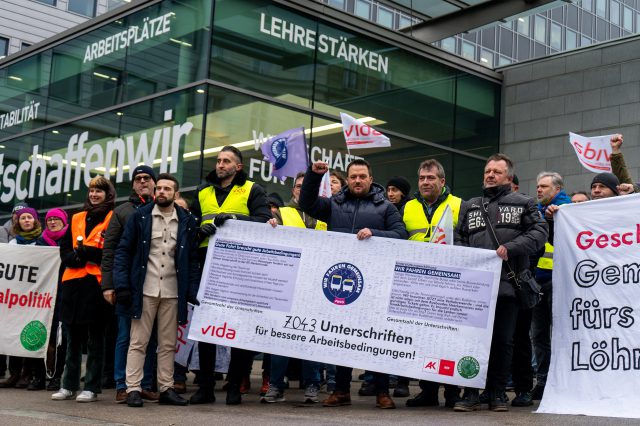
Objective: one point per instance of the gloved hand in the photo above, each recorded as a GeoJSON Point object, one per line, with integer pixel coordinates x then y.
{"type": "Point", "coordinates": [206, 230]}
{"type": "Point", "coordinates": [220, 219]}
{"type": "Point", "coordinates": [193, 301]}
{"type": "Point", "coordinates": [124, 298]}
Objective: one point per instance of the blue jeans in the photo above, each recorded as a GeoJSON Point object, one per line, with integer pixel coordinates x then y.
{"type": "Point", "coordinates": [279, 364]}
{"type": "Point", "coordinates": [120, 359]}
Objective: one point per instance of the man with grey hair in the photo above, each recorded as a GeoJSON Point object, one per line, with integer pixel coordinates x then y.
{"type": "Point", "coordinates": [551, 196]}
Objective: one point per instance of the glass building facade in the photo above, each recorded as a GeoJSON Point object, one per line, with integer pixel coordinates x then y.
{"type": "Point", "coordinates": [169, 83]}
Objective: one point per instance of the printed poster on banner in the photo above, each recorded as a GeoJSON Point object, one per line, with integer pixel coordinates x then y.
{"type": "Point", "coordinates": [595, 352]}
{"type": "Point", "coordinates": [28, 285]}
{"type": "Point", "coordinates": [359, 135]}
{"type": "Point", "coordinates": [411, 309]}
{"type": "Point", "coordinates": [594, 152]}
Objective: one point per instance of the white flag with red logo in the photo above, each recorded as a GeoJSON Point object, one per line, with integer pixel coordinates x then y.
{"type": "Point", "coordinates": [443, 232]}
{"type": "Point", "coordinates": [360, 135]}
{"type": "Point", "coordinates": [594, 152]}
{"type": "Point", "coordinates": [325, 186]}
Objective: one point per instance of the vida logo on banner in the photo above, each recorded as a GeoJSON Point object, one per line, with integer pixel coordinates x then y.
{"type": "Point", "coordinates": [287, 153]}
{"type": "Point", "coordinates": [443, 231]}
{"type": "Point", "coordinates": [360, 135]}
{"type": "Point", "coordinates": [594, 152]}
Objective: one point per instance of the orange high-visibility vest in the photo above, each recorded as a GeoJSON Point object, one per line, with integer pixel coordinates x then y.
{"type": "Point", "coordinates": [94, 239]}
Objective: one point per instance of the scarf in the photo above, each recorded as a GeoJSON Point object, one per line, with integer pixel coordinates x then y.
{"type": "Point", "coordinates": [52, 237]}
{"type": "Point", "coordinates": [28, 237]}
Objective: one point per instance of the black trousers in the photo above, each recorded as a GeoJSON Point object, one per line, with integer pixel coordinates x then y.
{"type": "Point", "coordinates": [521, 368]}
{"type": "Point", "coordinates": [239, 365]}
{"type": "Point", "coordinates": [504, 326]}
{"type": "Point", "coordinates": [343, 380]}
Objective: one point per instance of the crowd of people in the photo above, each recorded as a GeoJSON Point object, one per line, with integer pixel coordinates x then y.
{"type": "Point", "coordinates": [129, 272]}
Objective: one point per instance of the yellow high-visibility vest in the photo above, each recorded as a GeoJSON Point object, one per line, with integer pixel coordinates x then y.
{"type": "Point", "coordinates": [546, 261]}
{"type": "Point", "coordinates": [291, 217]}
{"type": "Point", "coordinates": [235, 203]}
{"type": "Point", "coordinates": [416, 222]}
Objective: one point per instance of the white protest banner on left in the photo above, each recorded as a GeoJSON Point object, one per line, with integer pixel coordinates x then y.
{"type": "Point", "coordinates": [594, 152]}
{"type": "Point", "coordinates": [28, 285]}
{"type": "Point", "coordinates": [595, 352]}
{"type": "Point", "coordinates": [401, 307]}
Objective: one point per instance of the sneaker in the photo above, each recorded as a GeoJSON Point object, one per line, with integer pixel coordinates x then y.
{"type": "Point", "coordinates": [470, 401]}
{"type": "Point", "coordinates": [134, 399]}
{"type": "Point", "coordinates": [265, 385]}
{"type": "Point", "coordinates": [54, 384]}
{"type": "Point", "coordinates": [497, 402]}
{"type": "Point", "coordinates": [311, 394]}
{"type": "Point", "coordinates": [36, 383]}
{"type": "Point", "coordinates": [401, 390]}
{"type": "Point", "coordinates": [522, 399]}
{"type": "Point", "coordinates": [537, 392]}
{"type": "Point", "coordinates": [337, 399]}
{"type": "Point", "coordinates": [367, 389]}
{"type": "Point", "coordinates": [86, 396]}
{"type": "Point", "coordinates": [63, 394]}
{"type": "Point", "coordinates": [273, 395]}
{"type": "Point", "coordinates": [245, 386]}
{"type": "Point", "coordinates": [485, 397]}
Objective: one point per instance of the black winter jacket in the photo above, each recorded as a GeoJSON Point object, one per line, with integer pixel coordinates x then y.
{"type": "Point", "coordinates": [517, 223]}
{"type": "Point", "coordinates": [346, 213]}
{"type": "Point", "coordinates": [132, 256]}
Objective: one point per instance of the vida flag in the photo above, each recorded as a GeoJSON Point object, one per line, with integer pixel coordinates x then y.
{"type": "Point", "coordinates": [360, 135]}
{"type": "Point", "coordinates": [443, 232]}
{"type": "Point", "coordinates": [287, 153]}
{"type": "Point", "coordinates": [325, 186]}
{"type": "Point", "coordinates": [594, 152]}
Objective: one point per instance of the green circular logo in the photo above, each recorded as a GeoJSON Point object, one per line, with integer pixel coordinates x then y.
{"type": "Point", "coordinates": [33, 336]}
{"type": "Point", "coordinates": [468, 367]}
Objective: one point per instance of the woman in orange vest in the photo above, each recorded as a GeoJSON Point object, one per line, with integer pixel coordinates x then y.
{"type": "Point", "coordinates": [84, 310]}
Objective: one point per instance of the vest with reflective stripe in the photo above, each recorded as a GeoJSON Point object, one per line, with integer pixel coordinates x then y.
{"type": "Point", "coordinates": [94, 239]}
{"type": "Point", "coordinates": [235, 203]}
{"type": "Point", "coordinates": [291, 217]}
{"type": "Point", "coordinates": [546, 261]}
{"type": "Point", "coordinates": [416, 222]}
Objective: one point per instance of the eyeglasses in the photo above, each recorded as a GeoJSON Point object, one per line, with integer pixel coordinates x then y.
{"type": "Point", "coordinates": [54, 219]}
{"type": "Point", "coordinates": [142, 178]}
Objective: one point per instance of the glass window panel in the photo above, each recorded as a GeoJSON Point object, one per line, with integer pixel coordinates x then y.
{"type": "Point", "coordinates": [83, 7]}
{"type": "Point", "coordinates": [65, 78]}
{"type": "Point", "coordinates": [468, 51]}
{"type": "Point", "coordinates": [602, 30]}
{"type": "Point", "coordinates": [572, 16]}
{"type": "Point", "coordinates": [49, 2]}
{"type": "Point", "coordinates": [449, 44]}
{"type": "Point", "coordinates": [601, 8]}
{"type": "Point", "coordinates": [540, 30]}
{"type": "Point", "coordinates": [503, 60]}
{"type": "Point", "coordinates": [113, 4]}
{"type": "Point", "coordinates": [363, 9]}
{"type": "Point", "coordinates": [571, 40]}
{"type": "Point", "coordinates": [506, 42]}
{"type": "Point", "coordinates": [405, 21]}
{"type": "Point", "coordinates": [614, 13]}
{"type": "Point", "coordinates": [486, 58]}
{"type": "Point", "coordinates": [489, 38]}
{"type": "Point", "coordinates": [587, 5]}
{"type": "Point", "coordinates": [556, 13]}
{"type": "Point", "coordinates": [337, 3]}
{"type": "Point", "coordinates": [4, 47]}
{"type": "Point", "coordinates": [588, 22]}
{"type": "Point", "coordinates": [585, 41]}
{"type": "Point", "coordinates": [539, 50]}
{"type": "Point", "coordinates": [615, 32]}
{"type": "Point", "coordinates": [523, 25]}
{"type": "Point", "coordinates": [385, 17]}
{"type": "Point", "coordinates": [524, 48]}
{"type": "Point", "coordinates": [627, 21]}
{"type": "Point", "coordinates": [555, 39]}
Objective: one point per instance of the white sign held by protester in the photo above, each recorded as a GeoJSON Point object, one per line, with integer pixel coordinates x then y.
{"type": "Point", "coordinates": [28, 286]}
{"type": "Point", "coordinates": [359, 135]}
{"type": "Point", "coordinates": [595, 355]}
{"type": "Point", "coordinates": [594, 152]}
{"type": "Point", "coordinates": [395, 306]}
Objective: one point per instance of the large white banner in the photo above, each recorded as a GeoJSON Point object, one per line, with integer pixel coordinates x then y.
{"type": "Point", "coordinates": [595, 357]}
{"type": "Point", "coordinates": [28, 284]}
{"type": "Point", "coordinates": [408, 308]}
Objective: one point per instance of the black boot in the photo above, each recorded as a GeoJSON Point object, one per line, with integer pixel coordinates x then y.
{"type": "Point", "coordinates": [470, 401]}
{"type": "Point", "coordinates": [497, 401]}
{"type": "Point", "coordinates": [234, 397]}
{"type": "Point", "coordinates": [204, 395]}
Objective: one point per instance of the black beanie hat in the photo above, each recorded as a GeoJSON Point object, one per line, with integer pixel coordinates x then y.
{"type": "Point", "coordinates": [143, 169]}
{"type": "Point", "coordinates": [607, 179]}
{"type": "Point", "coordinates": [401, 183]}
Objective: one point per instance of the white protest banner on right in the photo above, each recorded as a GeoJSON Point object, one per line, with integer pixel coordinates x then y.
{"type": "Point", "coordinates": [594, 152]}
{"type": "Point", "coordinates": [595, 355]}
{"type": "Point", "coordinates": [402, 307]}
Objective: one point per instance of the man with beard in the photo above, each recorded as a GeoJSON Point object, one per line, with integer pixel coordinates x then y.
{"type": "Point", "coordinates": [227, 194]}
{"type": "Point", "coordinates": [509, 223]}
{"type": "Point", "coordinates": [156, 273]}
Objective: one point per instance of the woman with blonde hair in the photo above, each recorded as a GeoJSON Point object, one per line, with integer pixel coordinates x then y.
{"type": "Point", "coordinates": [83, 312]}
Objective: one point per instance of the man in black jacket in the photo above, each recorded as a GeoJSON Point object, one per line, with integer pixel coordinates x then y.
{"type": "Point", "coordinates": [521, 232]}
{"type": "Point", "coordinates": [143, 186]}
{"type": "Point", "coordinates": [156, 273]}
{"type": "Point", "coordinates": [362, 209]}
{"type": "Point", "coordinates": [227, 194]}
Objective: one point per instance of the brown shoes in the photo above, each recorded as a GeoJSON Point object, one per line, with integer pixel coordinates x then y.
{"type": "Point", "coordinates": [337, 399]}
{"type": "Point", "coordinates": [180, 387]}
{"type": "Point", "coordinates": [383, 400]}
{"type": "Point", "coordinates": [10, 381]}
{"type": "Point", "coordinates": [150, 396]}
{"type": "Point", "coordinates": [121, 396]}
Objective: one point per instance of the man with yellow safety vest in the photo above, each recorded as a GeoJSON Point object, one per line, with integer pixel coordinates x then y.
{"type": "Point", "coordinates": [292, 215]}
{"type": "Point", "coordinates": [551, 195]}
{"type": "Point", "coordinates": [420, 217]}
{"type": "Point", "coordinates": [227, 194]}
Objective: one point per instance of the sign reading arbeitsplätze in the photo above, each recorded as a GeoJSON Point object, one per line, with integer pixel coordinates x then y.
{"type": "Point", "coordinates": [412, 309]}
{"type": "Point", "coordinates": [595, 357]}
{"type": "Point", "coordinates": [28, 284]}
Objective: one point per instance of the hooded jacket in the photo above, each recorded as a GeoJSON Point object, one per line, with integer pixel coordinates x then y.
{"type": "Point", "coordinates": [345, 213]}
{"type": "Point", "coordinates": [517, 223]}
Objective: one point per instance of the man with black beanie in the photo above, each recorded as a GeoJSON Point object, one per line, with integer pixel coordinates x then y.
{"type": "Point", "coordinates": [143, 186]}
{"type": "Point", "coordinates": [604, 185]}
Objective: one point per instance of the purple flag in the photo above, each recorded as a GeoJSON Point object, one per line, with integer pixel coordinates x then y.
{"type": "Point", "coordinates": [287, 153]}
